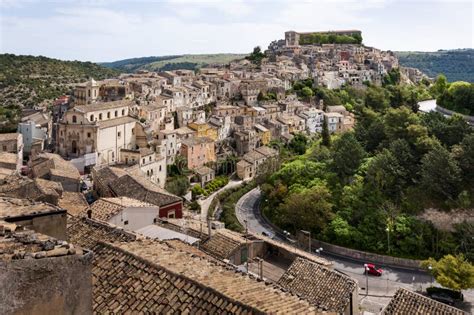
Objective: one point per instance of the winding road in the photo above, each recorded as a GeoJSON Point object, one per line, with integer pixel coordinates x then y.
{"type": "Point", "coordinates": [247, 210]}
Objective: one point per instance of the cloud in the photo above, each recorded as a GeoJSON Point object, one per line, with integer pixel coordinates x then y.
{"type": "Point", "coordinates": [109, 30]}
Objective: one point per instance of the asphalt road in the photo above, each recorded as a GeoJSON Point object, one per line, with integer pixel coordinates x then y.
{"type": "Point", "coordinates": [247, 211]}
{"type": "Point", "coordinates": [205, 203]}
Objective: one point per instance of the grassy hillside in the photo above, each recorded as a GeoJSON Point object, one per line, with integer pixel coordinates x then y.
{"type": "Point", "coordinates": [26, 81]}
{"type": "Point", "coordinates": [163, 63]}
{"type": "Point", "coordinates": [456, 65]}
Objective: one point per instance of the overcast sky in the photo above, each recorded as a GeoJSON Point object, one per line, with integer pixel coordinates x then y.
{"type": "Point", "coordinates": [107, 30]}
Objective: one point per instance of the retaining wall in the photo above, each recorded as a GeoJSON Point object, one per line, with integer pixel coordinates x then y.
{"type": "Point", "coordinates": [364, 257]}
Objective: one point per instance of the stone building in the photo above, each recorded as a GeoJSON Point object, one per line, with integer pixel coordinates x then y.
{"type": "Point", "coordinates": [128, 213]}
{"type": "Point", "coordinates": [42, 275]}
{"type": "Point", "coordinates": [114, 182]}
{"type": "Point", "coordinates": [42, 217]}
{"type": "Point", "coordinates": [53, 167]}
{"type": "Point", "coordinates": [198, 151]}
{"type": "Point", "coordinates": [12, 143]}
{"type": "Point", "coordinates": [86, 93]}
{"type": "Point", "coordinates": [103, 129]}
{"type": "Point", "coordinates": [149, 163]}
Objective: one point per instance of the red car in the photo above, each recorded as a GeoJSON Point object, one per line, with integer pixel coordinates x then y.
{"type": "Point", "coordinates": [372, 270]}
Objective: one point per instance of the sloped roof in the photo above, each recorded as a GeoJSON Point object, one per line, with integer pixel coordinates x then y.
{"type": "Point", "coordinates": [105, 208]}
{"type": "Point", "coordinates": [323, 287]}
{"type": "Point", "coordinates": [103, 106]}
{"type": "Point", "coordinates": [13, 207]}
{"type": "Point", "coordinates": [73, 202]}
{"type": "Point", "coordinates": [150, 276]}
{"type": "Point", "coordinates": [142, 189]}
{"type": "Point", "coordinates": [222, 245]}
{"type": "Point", "coordinates": [408, 302]}
{"type": "Point", "coordinates": [87, 233]}
{"type": "Point", "coordinates": [126, 184]}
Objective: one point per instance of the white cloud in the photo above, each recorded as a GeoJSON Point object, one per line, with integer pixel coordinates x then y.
{"type": "Point", "coordinates": [110, 30]}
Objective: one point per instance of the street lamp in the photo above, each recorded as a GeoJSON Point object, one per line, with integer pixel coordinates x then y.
{"type": "Point", "coordinates": [319, 250]}
{"type": "Point", "coordinates": [388, 239]}
{"type": "Point", "coordinates": [430, 268]}
{"type": "Point", "coordinates": [309, 239]}
{"type": "Point", "coordinates": [366, 279]}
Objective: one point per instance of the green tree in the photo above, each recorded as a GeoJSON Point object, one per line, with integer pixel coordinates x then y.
{"type": "Point", "coordinates": [310, 209]}
{"type": "Point", "coordinates": [466, 159]}
{"type": "Point", "coordinates": [347, 155]}
{"type": "Point", "coordinates": [177, 185]}
{"type": "Point", "coordinates": [439, 86]}
{"type": "Point", "coordinates": [386, 175]}
{"type": "Point", "coordinates": [440, 174]}
{"type": "Point", "coordinates": [326, 141]}
{"type": "Point", "coordinates": [449, 131]}
{"type": "Point", "coordinates": [453, 272]}
{"type": "Point", "coordinates": [298, 144]}
{"type": "Point", "coordinates": [397, 121]}
{"type": "Point", "coordinates": [256, 56]}
{"type": "Point", "coordinates": [307, 93]}
{"type": "Point", "coordinates": [376, 99]}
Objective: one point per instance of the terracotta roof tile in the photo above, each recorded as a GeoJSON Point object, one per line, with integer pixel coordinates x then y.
{"type": "Point", "coordinates": [325, 288]}
{"type": "Point", "coordinates": [408, 302]}
{"type": "Point", "coordinates": [180, 277]}
{"type": "Point", "coordinates": [105, 208]}
{"type": "Point", "coordinates": [87, 233]}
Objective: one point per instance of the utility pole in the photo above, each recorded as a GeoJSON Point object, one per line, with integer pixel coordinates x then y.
{"type": "Point", "coordinates": [366, 279]}
{"type": "Point", "coordinates": [308, 233]}
{"type": "Point", "coordinates": [247, 245]}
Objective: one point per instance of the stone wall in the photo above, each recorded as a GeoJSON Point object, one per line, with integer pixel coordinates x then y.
{"type": "Point", "coordinates": [364, 257]}
{"type": "Point", "coordinates": [57, 285]}
{"type": "Point", "coordinates": [50, 224]}
{"type": "Point", "coordinates": [446, 111]}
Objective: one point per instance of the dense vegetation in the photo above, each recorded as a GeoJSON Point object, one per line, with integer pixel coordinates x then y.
{"type": "Point", "coordinates": [362, 187]}
{"type": "Point", "coordinates": [26, 81]}
{"type": "Point", "coordinates": [456, 65]}
{"type": "Point", "coordinates": [227, 200]}
{"type": "Point", "coordinates": [318, 38]}
{"type": "Point", "coordinates": [457, 96]}
{"type": "Point", "coordinates": [165, 63]}
{"type": "Point", "coordinates": [210, 187]}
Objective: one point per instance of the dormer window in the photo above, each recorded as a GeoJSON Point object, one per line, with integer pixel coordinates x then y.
{"type": "Point", "coordinates": [74, 119]}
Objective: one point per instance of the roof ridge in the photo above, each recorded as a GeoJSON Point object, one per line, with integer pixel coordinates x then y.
{"type": "Point", "coordinates": [178, 275]}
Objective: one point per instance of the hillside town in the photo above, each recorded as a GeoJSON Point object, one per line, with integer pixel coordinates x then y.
{"type": "Point", "coordinates": [85, 197]}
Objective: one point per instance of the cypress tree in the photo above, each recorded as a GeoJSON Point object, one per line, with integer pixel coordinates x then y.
{"type": "Point", "coordinates": [326, 136]}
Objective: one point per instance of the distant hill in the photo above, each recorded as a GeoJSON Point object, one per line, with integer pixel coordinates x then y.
{"type": "Point", "coordinates": [456, 65]}
{"type": "Point", "coordinates": [165, 63]}
{"type": "Point", "coordinates": [26, 81]}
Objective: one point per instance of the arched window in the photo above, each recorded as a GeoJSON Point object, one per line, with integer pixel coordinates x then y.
{"type": "Point", "coordinates": [123, 112]}
{"type": "Point", "coordinates": [74, 119]}
{"type": "Point", "coordinates": [92, 118]}
{"type": "Point", "coordinates": [100, 116]}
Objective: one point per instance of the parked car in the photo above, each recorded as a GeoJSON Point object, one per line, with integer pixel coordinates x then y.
{"type": "Point", "coordinates": [443, 295]}
{"type": "Point", "coordinates": [443, 298]}
{"type": "Point", "coordinates": [372, 270]}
